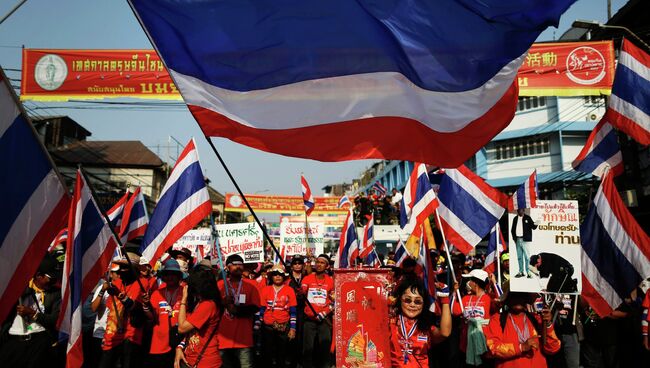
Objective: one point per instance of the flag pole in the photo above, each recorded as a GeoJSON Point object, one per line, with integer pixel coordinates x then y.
{"type": "Point", "coordinates": [498, 254]}
{"type": "Point", "coordinates": [451, 265]}
{"type": "Point", "coordinates": [215, 244]}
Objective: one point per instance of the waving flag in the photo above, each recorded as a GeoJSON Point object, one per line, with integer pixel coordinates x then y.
{"type": "Point", "coordinates": [89, 251]}
{"type": "Point", "coordinates": [348, 244]}
{"type": "Point", "coordinates": [418, 202]}
{"type": "Point", "coordinates": [424, 260]}
{"type": "Point", "coordinates": [615, 251]}
{"type": "Point", "coordinates": [400, 253]}
{"type": "Point", "coordinates": [526, 194]}
{"type": "Point", "coordinates": [340, 80]}
{"type": "Point", "coordinates": [629, 105]}
{"type": "Point", "coordinates": [469, 207]}
{"type": "Point", "coordinates": [492, 257]}
{"type": "Point", "coordinates": [373, 258]}
{"type": "Point", "coordinates": [343, 201]}
{"type": "Point", "coordinates": [34, 200]}
{"type": "Point", "coordinates": [117, 211]}
{"type": "Point", "coordinates": [368, 238]}
{"type": "Point", "coordinates": [307, 197]}
{"type": "Point", "coordinates": [61, 237]}
{"type": "Point", "coordinates": [183, 203]}
{"type": "Point", "coordinates": [380, 189]}
{"type": "Point", "coordinates": [601, 152]}
{"type": "Point", "coordinates": [136, 218]}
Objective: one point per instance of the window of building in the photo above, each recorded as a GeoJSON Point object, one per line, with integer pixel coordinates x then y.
{"type": "Point", "coordinates": [521, 148]}
{"type": "Point", "coordinates": [527, 103]}
{"type": "Point", "coordinates": [594, 100]}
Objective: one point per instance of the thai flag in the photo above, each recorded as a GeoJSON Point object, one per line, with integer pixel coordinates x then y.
{"type": "Point", "coordinates": [469, 207]}
{"type": "Point", "coordinates": [380, 189]}
{"type": "Point", "coordinates": [373, 258]}
{"type": "Point", "coordinates": [340, 80]}
{"type": "Point", "coordinates": [61, 237]}
{"type": "Point", "coordinates": [343, 201]}
{"type": "Point", "coordinates": [116, 212]}
{"type": "Point", "coordinates": [526, 195]}
{"type": "Point", "coordinates": [629, 104]}
{"type": "Point", "coordinates": [601, 152]}
{"type": "Point", "coordinates": [418, 202]}
{"type": "Point", "coordinates": [34, 199]}
{"type": "Point", "coordinates": [368, 238]}
{"type": "Point", "coordinates": [136, 217]}
{"type": "Point", "coordinates": [307, 197]}
{"type": "Point", "coordinates": [615, 251]}
{"type": "Point", "coordinates": [89, 251]}
{"type": "Point", "coordinates": [183, 203]}
{"type": "Point", "coordinates": [424, 260]}
{"type": "Point", "coordinates": [492, 255]}
{"type": "Point", "coordinates": [348, 244]}
{"type": "Point", "coordinates": [276, 259]}
{"type": "Point", "coordinates": [401, 253]}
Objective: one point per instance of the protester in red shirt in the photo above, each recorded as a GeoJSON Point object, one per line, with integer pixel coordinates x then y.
{"type": "Point", "coordinates": [146, 279]}
{"type": "Point", "coordinates": [412, 332]}
{"type": "Point", "coordinates": [166, 305]}
{"type": "Point", "coordinates": [201, 348]}
{"type": "Point", "coordinates": [318, 287]}
{"type": "Point", "coordinates": [517, 338]}
{"type": "Point", "coordinates": [242, 301]}
{"type": "Point", "coordinates": [278, 314]}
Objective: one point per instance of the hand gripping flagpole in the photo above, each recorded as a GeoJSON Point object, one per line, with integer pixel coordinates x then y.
{"type": "Point", "coordinates": [451, 265]}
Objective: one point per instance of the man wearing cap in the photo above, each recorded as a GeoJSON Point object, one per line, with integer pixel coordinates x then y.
{"type": "Point", "coordinates": [242, 301]}
{"type": "Point", "coordinates": [317, 334]}
{"type": "Point", "coordinates": [278, 314]}
{"type": "Point", "coordinates": [98, 306]}
{"type": "Point", "coordinates": [295, 281]}
{"type": "Point", "coordinates": [183, 257]}
{"type": "Point", "coordinates": [505, 267]}
{"type": "Point", "coordinates": [32, 329]}
{"type": "Point", "coordinates": [166, 305]}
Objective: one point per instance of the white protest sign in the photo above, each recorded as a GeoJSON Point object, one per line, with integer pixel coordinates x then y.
{"type": "Point", "coordinates": [545, 248]}
{"type": "Point", "coordinates": [245, 239]}
{"type": "Point", "coordinates": [292, 238]}
{"type": "Point", "coordinates": [198, 241]}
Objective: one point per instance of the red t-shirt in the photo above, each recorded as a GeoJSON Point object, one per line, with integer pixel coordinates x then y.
{"type": "Point", "coordinates": [165, 304]}
{"type": "Point", "coordinates": [205, 318]}
{"type": "Point", "coordinates": [473, 307]}
{"type": "Point", "coordinates": [117, 318]}
{"type": "Point", "coordinates": [418, 345]}
{"type": "Point", "coordinates": [150, 284]}
{"type": "Point", "coordinates": [278, 303]}
{"type": "Point", "coordinates": [318, 292]}
{"type": "Point", "coordinates": [237, 332]}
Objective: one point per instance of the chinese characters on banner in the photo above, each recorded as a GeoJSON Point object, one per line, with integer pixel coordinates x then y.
{"type": "Point", "coordinates": [550, 258]}
{"type": "Point", "coordinates": [292, 238]}
{"type": "Point", "coordinates": [361, 318]}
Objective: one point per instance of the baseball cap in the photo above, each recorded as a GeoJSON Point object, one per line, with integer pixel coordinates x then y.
{"type": "Point", "coordinates": [477, 274]}
{"type": "Point", "coordinates": [234, 259]}
{"type": "Point", "coordinates": [297, 260]}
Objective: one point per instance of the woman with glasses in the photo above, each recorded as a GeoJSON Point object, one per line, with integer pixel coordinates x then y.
{"type": "Point", "coordinates": [412, 330]}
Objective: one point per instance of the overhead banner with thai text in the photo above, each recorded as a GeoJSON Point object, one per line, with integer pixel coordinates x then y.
{"type": "Point", "coordinates": [281, 204]}
{"type": "Point", "coordinates": [568, 69]}
{"type": "Point", "coordinates": [62, 75]}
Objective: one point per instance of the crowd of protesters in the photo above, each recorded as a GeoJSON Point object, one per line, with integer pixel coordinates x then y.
{"type": "Point", "coordinates": [183, 313]}
{"type": "Point", "coordinates": [382, 207]}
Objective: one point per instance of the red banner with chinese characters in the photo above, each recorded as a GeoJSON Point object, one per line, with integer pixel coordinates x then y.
{"type": "Point", "coordinates": [281, 204]}
{"type": "Point", "coordinates": [361, 328]}
{"type": "Point", "coordinates": [568, 69]}
{"type": "Point", "coordinates": [62, 75]}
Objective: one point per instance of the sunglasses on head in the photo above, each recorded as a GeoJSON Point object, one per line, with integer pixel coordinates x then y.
{"type": "Point", "coordinates": [416, 301]}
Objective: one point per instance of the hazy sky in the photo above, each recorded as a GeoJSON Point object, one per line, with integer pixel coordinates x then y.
{"type": "Point", "coordinates": [110, 24]}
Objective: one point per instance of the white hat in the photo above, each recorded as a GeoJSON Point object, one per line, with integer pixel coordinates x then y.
{"type": "Point", "coordinates": [144, 261]}
{"type": "Point", "coordinates": [478, 274]}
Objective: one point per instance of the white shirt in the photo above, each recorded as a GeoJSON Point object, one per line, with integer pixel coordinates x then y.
{"type": "Point", "coordinates": [23, 326]}
{"type": "Point", "coordinates": [519, 230]}
{"type": "Point", "coordinates": [396, 198]}
{"type": "Point", "coordinates": [102, 314]}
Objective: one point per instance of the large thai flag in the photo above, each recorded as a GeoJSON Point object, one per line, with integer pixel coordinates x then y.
{"type": "Point", "coordinates": [418, 202]}
{"type": "Point", "coordinates": [492, 256]}
{"type": "Point", "coordinates": [34, 199]}
{"type": "Point", "coordinates": [469, 207]}
{"type": "Point", "coordinates": [136, 217]}
{"type": "Point", "coordinates": [339, 80]}
{"type": "Point", "coordinates": [183, 203]}
{"type": "Point", "coordinates": [88, 253]}
{"type": "Point", "coordinates": [307, 197]}
{"type": "Point", "coordinates": [615, 251]}
{"type": "Point", "coordinates": [401, 253]}
{"type": "Point", "coordinates": [629, 104]}
{"type": "Point", "coordinates": [348, 243]}
{"type": "Point", "coordinates": [601, 152]}
{"type": "Point", "coordinates": [526, 195]}
{"type": "Point", "coordinates": [116, 212]}
{"type": "Point", "coordinates": [368, 238]}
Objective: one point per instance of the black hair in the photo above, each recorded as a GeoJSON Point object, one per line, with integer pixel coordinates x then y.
{"type": "Point", "coordinates": [480, 283]}
{"type": "Point", "coordinates": [503, 319]}
{"type": "Point", "coordinates": [409, 262]}
{"type": "Point", "coordinates": [533, 259]}
{"type": "Point", "coordinates": [201, 284]}
{"type": "Point", "coordinates": [415, 285]}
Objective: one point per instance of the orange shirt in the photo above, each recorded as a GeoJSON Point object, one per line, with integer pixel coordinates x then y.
{"type": "Point", "coordinates": [505, 346]}
{"type": "Point", "coordinates": [237, 332]}
{"type": "Point", "coordinates": [165, 305]}
{"type": "Point", "coordinates": [417, 347]}
{"type": "Point", "coordinates": [205, 318]}
{"type": "Point", "coordinates": [118, 323]}
{"type": "Point", "coordinates": [278, 303]}
{"type": "Point", "coordinates": [318, 292]}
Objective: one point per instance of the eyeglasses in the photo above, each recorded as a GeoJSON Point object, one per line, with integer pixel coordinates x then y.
{"type": "Point", "coordinates": [412, 301]}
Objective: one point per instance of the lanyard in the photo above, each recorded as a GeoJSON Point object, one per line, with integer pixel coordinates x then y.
{"type": "Point", "coordinates": [523, 336]}
{"type": "Point", "coordinates": [275, 296]}
{"type": "Point", "coordinates": [406, 342]}
{"type": "Point", "coordinates": [171, 301]}
{"type": "Point", "coordinates": [471, 308]}
{"type": "Point", "coordinates": [236, 296]}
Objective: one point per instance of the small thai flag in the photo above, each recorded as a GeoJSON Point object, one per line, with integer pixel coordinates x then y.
{"type": "Point", "coordinates": [307, 197]}
{"type": "Point", "coordinates": [381, 190]}
{"type": "Point", "coordinates": [526, 195]}
{"type": "Point", "coordinates": [343, 201]}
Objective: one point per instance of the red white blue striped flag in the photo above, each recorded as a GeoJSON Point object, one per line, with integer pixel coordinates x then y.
{"type": "Point", "coordinates": [307, 197]}
{"type": "Point", "coordinates": [135, 218]}
{"type": "Point", "coordinates": [116, 212]}
{"type": "Point", "coordinates": [418, 202]}
{"type": "Point", "coordinates": [526, 195]}
{"type": "Point", "coordinates": [601, 153]}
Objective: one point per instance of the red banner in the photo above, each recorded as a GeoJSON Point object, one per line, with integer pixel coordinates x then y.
{"type": "Point", "coordinates": [567, 69]}
{"type": "Point", "coordinates": [61, 75]}
{"type": "Point", "coordinates": [281, 204]}
{"type": "Point", "coordinates": [361, 318]}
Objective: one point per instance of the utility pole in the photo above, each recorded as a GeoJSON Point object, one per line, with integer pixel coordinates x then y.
{"type": "Point", "coordinates": [609, 10]}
